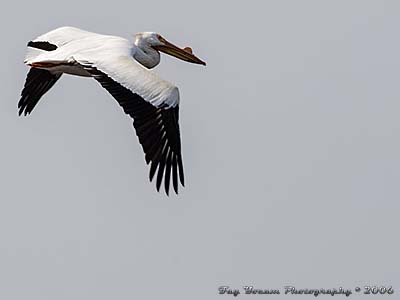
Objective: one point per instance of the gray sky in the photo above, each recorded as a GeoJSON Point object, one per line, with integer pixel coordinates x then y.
{"type": "Point", "coordinates": [291, 142]}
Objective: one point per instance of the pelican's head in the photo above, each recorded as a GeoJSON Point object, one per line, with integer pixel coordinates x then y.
{"type": "Point", "coordinates": [157, 42]}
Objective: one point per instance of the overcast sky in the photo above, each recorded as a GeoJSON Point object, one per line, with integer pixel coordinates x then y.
{"type": "Point", "coordinates": [291, 147]}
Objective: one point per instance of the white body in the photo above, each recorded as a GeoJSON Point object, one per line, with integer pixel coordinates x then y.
{"type": "Point", "coordinates": [110, 54]}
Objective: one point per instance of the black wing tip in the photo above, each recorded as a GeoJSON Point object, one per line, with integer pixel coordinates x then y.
{"type": "Point", "coordinates": [37, 83]}
{"type": "Point", "coordinates": [23, 109]}
{"type": "Point", "coordinates": [156, 167]}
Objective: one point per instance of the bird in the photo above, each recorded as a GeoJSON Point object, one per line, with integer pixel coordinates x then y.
{"type": "Point", "coordinates": [123, 68]}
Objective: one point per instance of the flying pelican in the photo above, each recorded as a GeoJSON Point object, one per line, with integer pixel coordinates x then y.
{"type": "Point", "coordinates": [122, 68]}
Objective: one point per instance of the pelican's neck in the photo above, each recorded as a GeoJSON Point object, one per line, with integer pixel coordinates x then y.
{"type": "Point", "coordinates": [146, 55]}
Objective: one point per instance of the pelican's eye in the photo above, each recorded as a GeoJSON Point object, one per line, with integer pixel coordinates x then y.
{"type": "Point", "coordinates": [161, 39]}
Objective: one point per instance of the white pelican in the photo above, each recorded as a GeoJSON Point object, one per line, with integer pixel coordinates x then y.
{"type": "Point", "coordinates": [122, 68]}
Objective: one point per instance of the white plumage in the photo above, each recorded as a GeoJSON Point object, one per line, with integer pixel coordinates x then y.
{"type": "Point", "coordinates": [111, 54]}
{"type": "Point", "coordinates": [123, 68]}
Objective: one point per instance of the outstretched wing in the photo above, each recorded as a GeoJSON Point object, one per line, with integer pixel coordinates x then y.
{"type": "Point", "coordinates": [38, 81]}
{"type": "Point", "coordinates": [153, 105]}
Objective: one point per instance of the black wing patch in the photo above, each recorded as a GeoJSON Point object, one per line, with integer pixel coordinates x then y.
{"type": "Point", "coordinates": [156, 128]}
{"type": "Point", "coordinates": [37, 83]}
{"type": "Point", "coordinates": [42, 45]}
